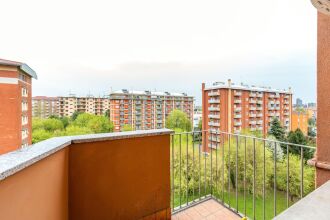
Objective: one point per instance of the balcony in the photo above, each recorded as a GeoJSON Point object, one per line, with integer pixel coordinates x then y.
{"type": "Point", "coordinates": [253, 101]}
{"type": "Point", "coordinates": [251, 115]}
{"type": "Point", "coordinates": [252, 122]}
{"type": "Point", "coordinates": [252, 108]}
{"type": "Point", "coordinates": [237, 115]}
{"type": "Point", "coordinates": [213, 101]}
{"type": "Point", "coordinates": [252, 94]}
{"type": "Point", "coordinates": [89, 177]}
{"type": "Point", "coordinates": [214, 116]}
{"type": "Point", "coordinates": [216, 124]}
{"type": "Point", "coordinates": [214, 108]}
{"type": "Point", "coordinates": [259, 115]}
{"type": "Point", "coordinates": [237, 93]}
{"type": "Point", "coordinates": [235, 174]}
{"type": "Point", "coordinates": [214, 93]}
{"type": "Point", "coordinates": [237, 101]}
{"type": "Point", "coordinates": [237, 123]}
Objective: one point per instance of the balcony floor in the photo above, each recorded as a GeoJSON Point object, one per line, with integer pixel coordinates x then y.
{"type": "Point", "coordinates": [209, 209]}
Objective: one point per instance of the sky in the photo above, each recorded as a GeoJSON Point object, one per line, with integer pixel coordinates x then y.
{"type": "Point", "coordinates": [93, 47]}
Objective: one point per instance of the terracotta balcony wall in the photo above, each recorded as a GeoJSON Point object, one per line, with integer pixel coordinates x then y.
{"type": "Point", "coordinates": [105, 176]}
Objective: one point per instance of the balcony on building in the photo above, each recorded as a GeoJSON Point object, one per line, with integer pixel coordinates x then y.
{"type": "Point", "coordinates": [214, 116]}
{"type": "Point", "coordinates": [237, 93]}
{"type": "Point", "coordinates": [237, 101]}
{"type": "Point", "coordinates": [212, 108]}
{"type": "Point", "coordinates": [252, 94]}
{"type": "Point", "coordinates": [214, 101]}
{"type": "Point", "coordinates": [237, 115]}
{"type": "Point", "coordinates": [214, 93]}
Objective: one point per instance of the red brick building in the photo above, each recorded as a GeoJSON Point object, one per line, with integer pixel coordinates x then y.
{"type": "Point", "coordinates": [233, 108]}
{"type": "Point", "coordinates": [15, 105]}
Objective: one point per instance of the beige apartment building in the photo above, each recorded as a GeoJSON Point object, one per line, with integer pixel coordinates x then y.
{"type": "Point", "coordinates": [43, 106]}
{"type": "Point", "coordinates": [233, 108]}
{"type": "Point", "coordinates": [145, 110]}
{"type": "Point", "coordinates": [93, 105]}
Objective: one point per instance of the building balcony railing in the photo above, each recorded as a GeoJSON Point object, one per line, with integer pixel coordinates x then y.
{"type": "Point", "coordinates": [237, 101]}
{"type": "Point", "coordinates": [237, 93]}
{"type": "Point", "coordinates": [253, 108]}
{"type": "Point", "coordinates": [214, 108]}
{"type": "Point", "coordinates": [252, 94]}
{"type": "Point", "coordinates": [252, 122]}
{"type": "Point", "coordinates": [252, 115]}
{"type": "Point", "coordinates": [237, 123]}
{"type": "Point", "coordinates": [214, 93]}
{"type": "Point", "coordinates": [253, 101]}
{"type": "Point", "coordinates": [214, 116]}
{"type": "Point", "coordinates": [254, 177]}
{"type": "Point", "coordinates": [237, 116]}
{"type": "Point", "coordinates": [259, 115]}
{"type": "Point", "coordinates": [237, 109]}
{"type": "Point", "coordinates": [216, 124]}
{"type": "Point", "coordinates": [212, 101]}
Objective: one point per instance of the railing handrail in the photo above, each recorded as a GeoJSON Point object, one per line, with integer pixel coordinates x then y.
{"type": "Point", "coordinates": [248, 136]}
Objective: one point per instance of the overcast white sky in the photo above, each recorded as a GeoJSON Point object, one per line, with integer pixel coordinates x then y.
{"type": "Point", "coordinates": [174, 45]}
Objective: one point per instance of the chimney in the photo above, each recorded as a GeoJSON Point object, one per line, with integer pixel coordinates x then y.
{"type": "Point", "coordinates": [229, 82]}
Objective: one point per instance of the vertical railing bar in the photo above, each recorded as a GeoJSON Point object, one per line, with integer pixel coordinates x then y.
{"type": "Point", "coordinates": [180, 170]}
{"type": "Point", "coordinates": [205, 170]}
{"type": "Point", "coordinates": [287, 175]}
{"type": "Point", "coordinates": [302, 173]}
{"type": "Point", "coordinates": [173, 193]}
{"type": "Point", "coordinates": [236, 180]}
{"type": "Point", "coordinates": [264, 182]}
{"type": "Point", "coordinates": [275, 178]}
{"type": "Point", "coordinates": [254, 178]}
{"type": "Point", "coordinates": [193, 165]}
{"type": "Point", "coordinates": [187, 184]}
{"type": "Point", "coordinates": [216, 162]}
{"type": "Point", "coordinates": [211, 174]}
{"type": "Point", "coordinates": [229, 170]}
{"type": "Point", "coordinates": [245, 176]}
{"type": "Point", "coordinates": [200, 167]}
{"type": "Point", "coordinates": [223, 168]}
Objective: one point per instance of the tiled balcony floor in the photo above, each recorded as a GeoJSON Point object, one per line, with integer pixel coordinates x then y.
{"type": "Point", "coordinates": [210, 210]}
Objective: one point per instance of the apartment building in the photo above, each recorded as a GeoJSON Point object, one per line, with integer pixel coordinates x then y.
{"type": "Point", "coordinates": [145, 110]}
{"type": "Point", "coordinates": [94, 105]}
{"type": "Point", "coordinates": [43, 106]}
{"type": "Point", "coordinates": [300, 120]}
{"type": "Point", "coordinates": [16, 105]}
{"type": "Point", "coordinates": [233, 108]}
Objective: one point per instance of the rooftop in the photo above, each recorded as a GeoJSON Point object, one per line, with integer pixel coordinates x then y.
{"type": "Point", "coordinates": [242, 86]}
{"type": "Point", "coordinates": [136, 92]}
{"type": "Point", "coordinates": [24, 67]}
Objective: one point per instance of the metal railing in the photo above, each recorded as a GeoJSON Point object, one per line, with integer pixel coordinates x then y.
{"type": "Point", "coordinates": [252, 176]}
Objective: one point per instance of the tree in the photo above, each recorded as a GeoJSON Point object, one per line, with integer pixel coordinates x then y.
{"type": "Point", "coordinates": [107, 113]}
{"type": "Point", "coordinates": [82, 119]}
{"type": "Point", "coordinates": [40, 135]}
{"type": "Point", "coordinates": [127, 128]}
{"type": "Point", "coordinates": [178, 120]}
{"type": "Point", "coordinates": [277, 130]}
{"type": "Point", "coordinates": [76, 130]}
{"type": "Point", "coordinates": [52, 124]}
{"type": "Point", "coordinates": [298, 137]}
{"type": "Point", "coordinates": [100, 124]}
{"type": "Point", "coordinates": [65, 121]}
{"type": "Point", "coordinates": [75, 115]}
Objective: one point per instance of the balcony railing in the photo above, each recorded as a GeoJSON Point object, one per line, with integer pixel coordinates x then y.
{"type": "Point", "coordinates": [254, 177]}
{"type": "Point", "coordinates": [214, 101]}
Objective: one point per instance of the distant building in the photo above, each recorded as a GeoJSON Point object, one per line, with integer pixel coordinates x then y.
{"type": "Point", "coordinates": [16, 105]}
{"type": "Point", "coordinates": [43, 106]}
{"type": "Point", "coordinates": [145, 110]}
{"type": "Point", "coordinates": [233, 108]}
{"type": "Point", "coordinates": [300, 120]}
{"type": "Point", "coordinates": [311, 105]}
{"type": "Point", "coordinates": [299, 102]}
{"type": "Point", "coordinates": [197, 118]}
{"type": "Point", "coordinates": [67, 105]}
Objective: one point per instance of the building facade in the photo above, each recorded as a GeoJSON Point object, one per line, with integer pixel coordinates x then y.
{"type": "Point", "coordinates": [15, 105]}
{"type": "Point", "coordinates": [234, 108]}
{"type": "Point", "coordinates": [300, 120]}
{"type": "Point", "coordinates": [93, 105]}
{"type": "Point", "coordinates": [144, 110]}
{"type": "Point", "coordinates": [43, 106]}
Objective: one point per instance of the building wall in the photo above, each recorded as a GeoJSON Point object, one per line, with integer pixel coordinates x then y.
{"type": "Point", "coordinates": [300, 120]}
{"type": "Point", "coordinates": [12, 110]}
{"type": "Point", "coordinates": [38, 192]}
{"type": "Point", "coordinates": [118, 183]}
{"type": "Point", "coordinates": [323, 101]}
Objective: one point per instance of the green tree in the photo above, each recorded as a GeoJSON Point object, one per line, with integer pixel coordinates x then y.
{"type": "Point", "coordinates": [298, 137]}
{"type": "Point", "coordinates": [52, 124]}
{"type": "Point", "coordinates": [75, 115]}
{"type": "Point", "coordinates": [127, 128]}
{"type": "Point", "coordinates": [76, 130]}
{"type": "Point", "coordinates": [65, 121]}
{"type": "Point", "coordinates": [100, 124]}
{"type": "Point", "coordinates": [107, 113]}
{"type": "Point", "coordinates": [82, 119]}
{"type": "Point", "coordinates": [277, 130]}
{"type": "Point", "coordinates": [40, 135]}
{"type": "Point", "coordinates": [178, 119]}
